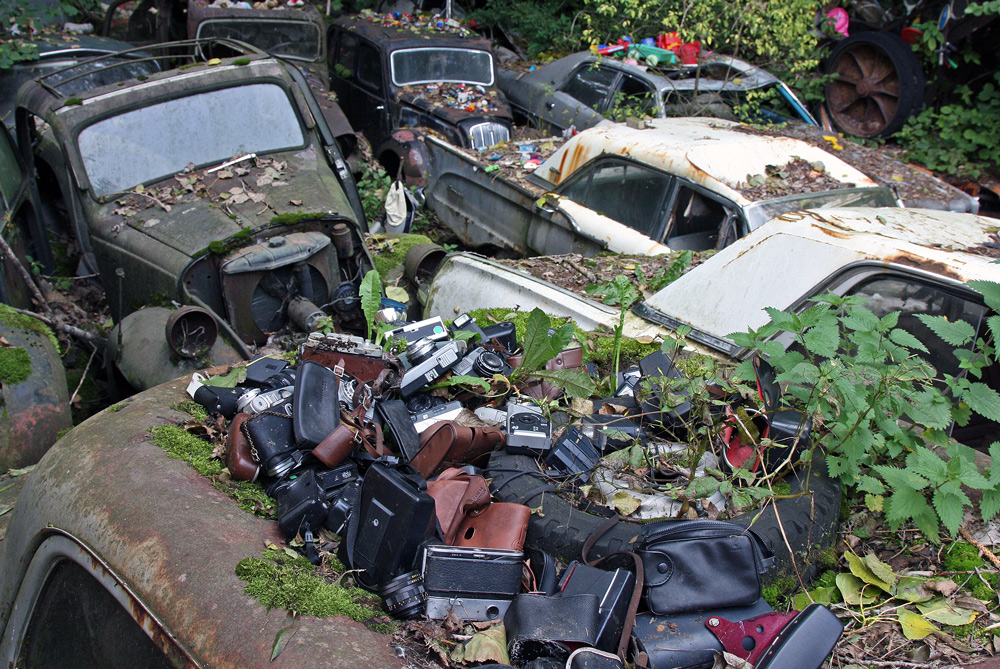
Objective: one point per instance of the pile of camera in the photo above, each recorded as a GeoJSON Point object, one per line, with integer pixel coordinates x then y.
{"type": "Point", "coordinates": [348, 439]}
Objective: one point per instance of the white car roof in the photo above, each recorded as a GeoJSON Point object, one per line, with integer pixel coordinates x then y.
{"type": "Point", "coordinates": [777, 264]}
{"type": "Point", "coordinates": [708, 151]}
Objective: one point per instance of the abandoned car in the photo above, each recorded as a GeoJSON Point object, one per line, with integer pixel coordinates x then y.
{"type": "Point", "coordinates": [580, 90]}
{"type": "Point", "coordinates": [253, 221]}
{"type": "Point", "coordinates": [684, 183]}
{"type": "Point", "coordinates": [393, 71]}
{"type": "Point", "coordinates": [908, 260]}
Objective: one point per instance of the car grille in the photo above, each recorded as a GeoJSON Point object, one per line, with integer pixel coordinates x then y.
{"type": "Point", "coordinates": [487, 134]}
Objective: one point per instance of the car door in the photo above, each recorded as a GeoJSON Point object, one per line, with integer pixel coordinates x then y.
{"type": "Point", "coordinates": [576, 103]}
{"type": "Point", "coordinates": [699, 220]}
{"type": "Point", "coordinates": [629, 97]}
{"type": "Point", "coordinates": [356, 76]}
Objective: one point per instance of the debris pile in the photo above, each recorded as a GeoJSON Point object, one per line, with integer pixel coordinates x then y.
{"type": "Point", "coordinates": [795, 177]}
{"type": "Point", "coordinates": [417, 23]}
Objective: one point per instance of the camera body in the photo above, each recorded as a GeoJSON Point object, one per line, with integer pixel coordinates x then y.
{"type": "Point", "coordinates": [256, 400]}
{"type": "Point", "coordinates": [473, 583]}
{"type": "Point", "coordinates": [429, 328]}
{"type": "Point", "coordinates": [614, 589]}
{"type": "Point", "coordinates": [574, 455]}
{"type": "Point", "coordinates": [529, 432]}
{"type": "Point", "coordinates": [428, 361]}
{"type": "Point", "coordinates": [483, 363]}
{"type": "Point", "coordinates": [272, 441]}
{"type": "Point", "coordinates": [446, 411]}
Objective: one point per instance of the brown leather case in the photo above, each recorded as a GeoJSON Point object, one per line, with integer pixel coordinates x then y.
{"type": "Point", "coordinates": [500, 525]}
{"type": "Point", "coordinates": [570, 358]}
{"type": "Point", "coordinates": [239, 460]}
{"type": "Point", "coordinates": [446, 443]}
{"type": "Point", "coordinates": [469, 518]}
{"type": "Point", "coordinates": [361, 367]}
{"type": "Point", "coordinates": [456, 494]}
{"type": "Point", "coordinates": [337, 445]}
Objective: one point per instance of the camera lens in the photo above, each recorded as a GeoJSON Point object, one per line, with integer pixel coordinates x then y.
{"type": "Point", "coordinates": [423, 402]}
{"type": "Point", "coordinates": [488, 364]}
{"type": "Point", "coordinates": [403, 597]}
{"type": "Point", "coordinates": [419, 351]}
{"type": "Point", "coordinates": [526, 420]}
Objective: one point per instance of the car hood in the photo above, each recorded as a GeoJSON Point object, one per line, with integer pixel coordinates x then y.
{"type": "Point", "coordinates": [190, 211]}
{"type": "Point", "coordinates": [441, 101]}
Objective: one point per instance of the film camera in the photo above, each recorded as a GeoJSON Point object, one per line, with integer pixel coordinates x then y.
{"type": "Point", "coordinates": [529, 432]}
{"type": "Point", "coordinates": [428, 360]}
{"type": "Point", "coordinates": [482, 363]}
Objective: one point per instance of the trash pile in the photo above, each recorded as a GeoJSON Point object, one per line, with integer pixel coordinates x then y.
{"type": "Point", "coordinates": [388, 448]}
{"type": "Point", "coordinates": [796, 176]}
{"type": "Point", "coordinates": [417, 22]}
{"type": "Point", "coordinates": [467, 97]}
{"type": "Point", "coordinates": [665, 49]}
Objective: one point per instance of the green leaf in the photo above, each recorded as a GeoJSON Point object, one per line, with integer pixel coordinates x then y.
{"type": "Point", "coordinates": [371, 297]}
{"type": "Point", "coordinates": [822, 340]}
{"type": "Point", "coordinates": [906, 504]}
{"type": "Point", "coordinates": [958, 333]}
{"type": "Point", "coordinates": [989, 505]}
{"type": "Point", "coordinates": [950, 506]}
{"type": "Point", "coordinates": [927, 463]}
{"type": "Point", "coordinates": [990, 292]}
{"type": "Point", "coordinates": [897, 478]}
{"type": "Point", "coordinates": [823, 595]}
{"type": "Point", "coordinates": [235, 377]}
{"type": "Point", "coordinates": [870, 484]}
{"type": "Point", "coordinates": [931, 408]}
{"type": "Point", "coordinates": [860, 568]}
{"type": "Point", "coordinates": [914, 625]}
{"type": "Point", "coordinates": [574, 382]}
{"type": "Point", "coordinates": [912, 589]}
{"type": "Point", "coordinates": [539, 347]}
{"type": "Point", "coordinates": [783, 319]}
{"type": "Point", "coordinates": [983, 400]}
{"type": "Point", "coordinates": [881, 570]}
{"type": "Point", "coordinates": [942, 611]}
{"type": "Point", "coordinates": [855, 591]}
{"type": "Point", "coordinates": [904, 338]}
{"type": "Point", "coordinates": [463, 379]}
{"type": "Point", "coordinates": [490, 645]}
{"type": "Point", "coordinates": [282, 638]}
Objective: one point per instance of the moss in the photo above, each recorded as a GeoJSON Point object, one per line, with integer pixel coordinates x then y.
{"type": "Point", "coordinates": [602, 349]}
{"type": "Point", "coordinates": [217, 247]}
{"type": "Point", "coordinates": [15, 365]}
{"type": "Point", "coordinates": [961, 556]}
{"type": "Point", "coordinates": [13, 319]}
{"type": "Point", "coordinates": [775, 592]}
{"type": "Point", "coordinates": [241, 61]}
{"type": "Point", "coordinates": [250, 497]}
{"type": "Point", "coordinates": [487, 317]}
{"type": "Point", "coordinates": [63, 432]}
{"type": "Point", "coordinates": [782, 488]}
{"type": "Point", "coordinates": [291, 218]}
{"type": "Point", "coordinates": [73, 102]}
{"type": "Point", "coordinates": [279, 581]}
{"type": "Point", "coordinates": [826, 558]}
{"type": "Point", "coordinates": [181, 444]}
{"type": "Point", "coordinates": [115, 408]}
{"type": "Point", "coordinates": [986, 591]}
{"type": "Point", "coordinates": [193, 409]}
{"type": "Point", "coordinates": [390, 254]}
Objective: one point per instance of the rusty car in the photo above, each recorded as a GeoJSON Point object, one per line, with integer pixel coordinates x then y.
{"type": "Point", "coordinates": [907, 260]}
{"type": "Point", "coordinates": [393, 71]}
{"type": "Point", "coordinates": [578, 91]}
{"type": "Point", "coordinates": [679, 183]}
{"type": "Point", "coordinates": [252, 223]}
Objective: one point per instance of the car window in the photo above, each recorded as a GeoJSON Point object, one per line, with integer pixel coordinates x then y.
{"type": "Point", "coordinates": [633, 97]}
{"type": "Point", "coordinates": [696, 220]}
{"type": "Point", "coordinates": [140, 145]}
{"type": "Point", "coordinates": [11, 177]}
{"type": "Point", "coordinates": [346, 55]}
{"type": "Point", "coordinates": [625, 192]}
{"type": "Point", "coordinates": [911, 296]}
{"type": "Point", "coordinates": [436, 64]}
{"type": "Point", "coordinates": [591, 84]}
{"type": "Point", "coordinates": [292, 39]}
{"type": "Point", "coordinates": [77, 623]}
{"type": "Point", "coordinates": [369, 67]}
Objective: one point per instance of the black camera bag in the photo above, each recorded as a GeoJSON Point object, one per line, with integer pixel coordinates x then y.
{"type": "Point", "coordinates": [393, 516]}
{"type": "Point", "coordinates": [701, 564]}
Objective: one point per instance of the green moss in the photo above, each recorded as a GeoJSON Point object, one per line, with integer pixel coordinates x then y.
{"type": "Point", "coordinates": [73, 102]}
{"type": "Point", "coordinates": [251, 497]}
{"type": "Point", "coordinates": [602, 349]}
{"type": "Point", "coordinates": [961, 556]}
{"type": "Point", "coordinates": [986, 591]}
{"type": "Point", "coordinates": [181, 444]}
{"type": "Point", "coordinates": [217, 247]}
{"type": "Point", "coordinates": [193, 409]}
{"type": "Point", "coordinates": [115, 408]}
{"type": "Point", "coordinates": [487, 317]}
{"type": "Point", "coordinates": [827, 557]}
{"type": "Point", "coordinates": [391, 253]}
{"type": "Point", "coordinates": [15, 365]}
{"type": "Point", "coordinates": [13, 319]}
{"type": "Point", "coordinates": [775, 592]}
{"type": "Point", "coordinates": [63, 432]}
{"type": "Point", "coordinates": [279, 581]}
{"type": "Point", "coordinates": [291, 218]}
{"type": "Point", "coordinates": [141, 77]}
{"type": "Point", "coordinates": [241, 61]}
{"type": "Point", "coordinates": [782, 488]}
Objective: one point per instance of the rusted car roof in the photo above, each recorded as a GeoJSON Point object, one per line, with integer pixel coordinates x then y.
{"type": "Point", "coordinates": [383, 29]}
{"type": "Point", "coordinates": [707, 151]}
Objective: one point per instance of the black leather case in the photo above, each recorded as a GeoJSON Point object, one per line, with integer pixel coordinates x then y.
{"type": "Point", "coordinates": [316, 406]}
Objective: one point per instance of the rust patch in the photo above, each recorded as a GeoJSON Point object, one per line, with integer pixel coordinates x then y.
{"type": "Point", "coordinates": [571, 161]}
{"type": "Point", "coordinates": [836, 234]}
{"type": "Point", "coordinates": [924, 264]}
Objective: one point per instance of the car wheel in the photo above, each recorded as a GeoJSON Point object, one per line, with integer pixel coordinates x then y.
{"type": "Point", "coordinates": [879, 84]}
{"type": "Point", "coordinates": [809, 521]}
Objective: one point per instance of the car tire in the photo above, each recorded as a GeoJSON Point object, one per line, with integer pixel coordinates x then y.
{"type": "Point", "coordinates": [557, 527]}
{"type": "Point", "coordinates": [880, 84]}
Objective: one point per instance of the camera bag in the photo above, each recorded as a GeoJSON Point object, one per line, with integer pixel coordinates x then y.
{"type": "Point", "coordinates": [446, 443]}
{"type": "Point", "coordinates": [316, 407]}
{"type": "Point", "coordinates": [272, 442]}
{"type": "Point", "coordinates": [467, 516]}
{"type": "Point", "coordinates": [239, 459]}
{"type": "Point", "coordinates": [396, 418]}
{"type": "Point", "coordinates": [701, 564]}
{"type": "Point", "coordinates": [543, 626]}
{"type": "Point", "coordinates": [392, 517]}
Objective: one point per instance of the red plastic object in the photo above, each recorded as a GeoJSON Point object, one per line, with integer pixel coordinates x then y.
{"type": "Point", "coordinates": [911, 35]}
{"type": "Point", "coordinates": [757, 633]}
{"type": "Point", "coordinates": [688, 52]}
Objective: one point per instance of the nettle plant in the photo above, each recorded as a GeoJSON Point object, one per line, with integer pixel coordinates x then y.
{"type": "Point", "coordinates": [882, 412]}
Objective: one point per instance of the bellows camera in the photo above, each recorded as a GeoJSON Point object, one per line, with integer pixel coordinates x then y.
{"type": "Point", "coordinates": [529, 432]}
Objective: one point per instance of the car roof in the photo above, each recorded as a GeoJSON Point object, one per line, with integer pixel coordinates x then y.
{"type": "Point", "coordinates": [786, 258]}
{"type": "Point", "coordinates": [83, 46]}
{"type": "Point", "coordinates": [712, 152]}
{"type": "Point", "coordinates": [407, 31]}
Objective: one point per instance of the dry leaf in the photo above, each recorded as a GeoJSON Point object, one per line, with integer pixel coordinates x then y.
{"type": "Point", "coordinates": [945, 586]}
{"type": "Point", "coordinates": [297, 203]}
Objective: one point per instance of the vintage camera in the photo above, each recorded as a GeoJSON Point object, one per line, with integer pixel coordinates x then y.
{"type": "Point", "coordinates": [341, 501]}
{"type": "Point", "coordinates": [482, 363]}
{"type": "Point", "coordinates": [301, 502]}
{"type": "Point", "coordinates": [473, 583]}
{"type": "Point", "coordinates": [255, 400]}
{"type": "Point", "coordinates": [610, 432]}
{"type": "Point", "coordinates": [446, 411]}
{"type": "Point", "coordinates": [214, 399]}
{"type": "Point", "coordinates": [428, 361]}
{"type": "Point", "coordinates": [614, 588]}
{"type": "Point", "coordinates": [261, 370]}
{"type": "Point", "coordinates": [627, 381]}
{"type": "Point", "coordinates": [492, 415]}
{"type": "Point", "coordinates": [529, 432]}
{"type": "Point", "coordinates": [573, 455]}
{"type": "Point", "coordinates": [272, 441]}
{"type": "Point", "coordinates": [403, 597]}
{"type": "Point", "coordinates": [362, 359]}
{"type": "Point", "coordinates": [429, 328]}
{"type": "Point", "coordinates": [422, 402]}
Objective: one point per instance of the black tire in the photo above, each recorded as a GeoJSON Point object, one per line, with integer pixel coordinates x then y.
{"type": "Point", "coordinates": [879, 85]}
{"type": "Point", "coordinates": [810, 522]}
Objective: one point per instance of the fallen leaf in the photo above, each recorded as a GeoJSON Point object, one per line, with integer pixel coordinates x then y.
{"type": "Point", "coordinates": [625, 503]}
{"type": "Point", "coordinates": [282, 638]}
{"type": "Point", "coordinates": [880, 569]}
{"type": "Point", "coordinates": [945, 586]}
{"type": "Point", "coordinates": [240, 198]}
{"type": "Point", "coordinates": [852, 589]}
{"type": "Point", "coordinates": [946, 613]}
{"type": "Point", "coordinates": [486, 646]}
{"type": "Point", "coordinates": [224, 174]}
{"type": "Point", "coordinates": [264, 180]}
{"type": "Point", "coordinates": [912, 589]}
{"type": "Point", "coordinates": [214, 61]}
{"type": "Point", "coordinates": [150, 223]}
{"type": "Point", "coordinates": [21, 472]}
{"type": "Point", "coordinates": [861, 569]}
{"type": "Point", "coordinates": [297, 203]}
{"type": "Point", "coordinates": [914, 625]}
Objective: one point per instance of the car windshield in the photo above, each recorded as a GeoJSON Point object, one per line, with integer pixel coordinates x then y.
{"type": "Point", "coordinates": [434, 64]}
{"type": "Point", "coordinates": [83, 77]}
{"type": "Point", "coordinates": [149, 143]}
{"type": "Point", "coordinates": [292, 39]}
{"type": "Point", "coordinates": [759, 213]}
